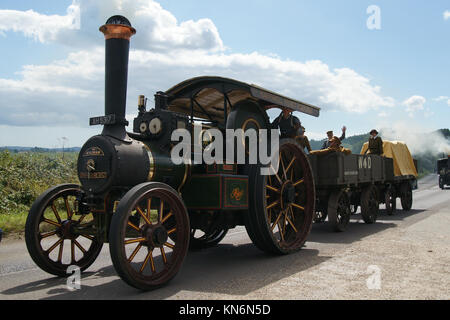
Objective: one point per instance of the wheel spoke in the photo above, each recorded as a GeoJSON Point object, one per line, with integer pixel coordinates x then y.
{"type": "Point", "coordinates": [163, 254]}
{"type": "Point", "coordinates": [133, 226]}
{"type": "Point", "coordinates": [290, 164]}
{"type": "Point", "coordinates": [60, 253]}
{"type": "Point", "coordinates": [79, 246]}
{"type": "Point", "coordinates": [166, 217]}
{"type": "Point", "coordinates": [299, 182]}
{"type": "Point", "coordinates": [135, 240]}
{"type": "Point", "coordinates": [298, 206]}
{"type": "Point", "coordinates": [292, 212]}
{"type": "Point", "coordinates": [138, 209]}
{"type": "Point", "coordinates": [272, 188]}
{"type": "Point", "coordinates": [136, 250]}
{"type": "Point", "coordinates": [55, 211]}
{"type": "Point", "coordinates": [276, 175]}
{"type": "Point", "coordinates": [276, 221]}
{"type": "Point", "coordinates": [273, 204]}
{"type": "Point", "coordinates": [171, 246]}
{"type": "Point", "coordinates": [290, 222]}
{"type": "Point", "coordinates": [149, 254]}
{"type": "Point", "coordinates": [282, 166]}
{"type": "Point", "coordinates": [54, 246]}
{"type": "Point", "coordinates": [87, 236]}
{"type": "Point", "coordinates": [283, 231]}
{"type": "Point", "coordinates": [69, 212]}
{"type": "Point", "coordinates": [81, 218]}
{"type": "Point", "coordinates": [51, 222]}
{"type": "Point", "coordinates": [171, 231]}
{"type": "Point", "coordinates": [161, 210]}
{"type": "Point", "coordinates": [48, 234]}
{"type": "Point", "coordinates": [149, 206]}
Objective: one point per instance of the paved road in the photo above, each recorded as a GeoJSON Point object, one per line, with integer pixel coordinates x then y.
{"type": "Point", "coordinates": [408, 253]}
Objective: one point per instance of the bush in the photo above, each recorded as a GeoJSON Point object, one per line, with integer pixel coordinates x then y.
{"type": "Point", "coordinates": [24, 176]}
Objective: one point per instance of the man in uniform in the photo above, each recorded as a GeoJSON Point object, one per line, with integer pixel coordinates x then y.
{"type": "Point", "coordinates": [288, 124]}
{"type": "Point", "coordinates": [303, 140]}
{"type": "Point", "coordinates": [375, 143]}
{"type": "Point", "coordinates": [330, 137]}
{"type": "Point", "coordinates": [333, 144]}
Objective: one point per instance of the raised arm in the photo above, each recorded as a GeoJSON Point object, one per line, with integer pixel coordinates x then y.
{"type": "Point", "coordinates": [344, 128]}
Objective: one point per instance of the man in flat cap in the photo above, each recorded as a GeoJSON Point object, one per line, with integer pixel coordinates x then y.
{"type": "Point", "coordinates": [330, 136]}
{"type": "Point", "coordinates": [375, 143]}
{"type": "Point", "coordinates": [333, 144]}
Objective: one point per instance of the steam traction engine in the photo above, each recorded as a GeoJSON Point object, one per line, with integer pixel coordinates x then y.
{"type": "Point", "coordinates": [151, 210]}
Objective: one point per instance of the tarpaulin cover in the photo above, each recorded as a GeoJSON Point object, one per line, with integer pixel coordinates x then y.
{"type": "Point", "coordinates": [403, 161]}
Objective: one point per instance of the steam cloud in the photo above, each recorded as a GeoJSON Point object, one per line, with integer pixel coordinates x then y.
{"type": "Point", "coordinates": [419, 140]}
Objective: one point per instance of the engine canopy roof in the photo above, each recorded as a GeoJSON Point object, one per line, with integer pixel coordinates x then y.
{"type": "Point", "coordinates": [209, 96]}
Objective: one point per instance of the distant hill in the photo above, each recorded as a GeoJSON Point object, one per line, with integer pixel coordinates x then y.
{"type": "Point", "coordinates": [37, 149]}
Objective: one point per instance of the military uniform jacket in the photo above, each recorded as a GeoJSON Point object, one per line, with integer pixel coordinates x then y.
{"type": "Point", "coordinates": [375, 146]}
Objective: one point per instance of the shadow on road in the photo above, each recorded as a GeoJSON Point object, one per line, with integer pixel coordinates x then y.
{"type": "Point", "coordinates": [357, 229]}
{"type": "Point", "coordinates": [226, 269]}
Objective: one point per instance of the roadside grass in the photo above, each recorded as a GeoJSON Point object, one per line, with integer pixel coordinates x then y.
{"type": "Point", "coordinates": [24, 176]}
{"type": "Point", "coordinates": [13, 223]}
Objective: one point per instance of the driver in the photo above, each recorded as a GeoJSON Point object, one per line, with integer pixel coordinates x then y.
{"type": "Point", "coordinates": [287, 123]}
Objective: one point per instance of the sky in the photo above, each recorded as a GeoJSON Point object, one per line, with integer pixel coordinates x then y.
{"type": "Point", "coordinates": [367, 64]}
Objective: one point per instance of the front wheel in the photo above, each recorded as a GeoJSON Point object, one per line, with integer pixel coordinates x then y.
{"type": "Point", "coordinates": [149, 235]}
{"type": "Point", "coordinates": [50, 232]}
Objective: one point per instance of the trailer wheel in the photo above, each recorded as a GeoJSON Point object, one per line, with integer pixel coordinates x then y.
{"type": "Point", "coordinates": [391, 201]}
{"type": "Point", "coordinates": [441, 182]}
{"type": "Point", "coordinates": [149, 252]}
{"type": "Point", "coordinates": [369, 204]}
{"type": "Point", "coordinates": [338, 211]}
{"type": "Point", "coordinates": [406, 196]}
{"type": "Point", "coordinates": [50, 225]}
{"type": "Point", "coordinates": [282, 206]}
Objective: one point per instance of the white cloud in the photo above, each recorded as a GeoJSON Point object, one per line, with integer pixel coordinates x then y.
{"type": "Point", "coordinates": [414, 104]}
{"type": "Point", "coordinates": [164, 53]}
{"type": "Point", "coordinates": [447, 15]}
{"type": "Point", "coordinates": [44, 28]}
{"type": "Point", "coordinates": [441, 98]}
{"type": "Point", "coordinates": [158, 29]}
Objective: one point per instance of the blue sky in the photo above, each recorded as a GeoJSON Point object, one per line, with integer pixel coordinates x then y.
{"type": "Point", "coordinates": [397, 77]}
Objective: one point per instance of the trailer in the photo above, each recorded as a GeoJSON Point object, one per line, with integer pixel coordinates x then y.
{"type": "Point", "coordinates": [345, 182]}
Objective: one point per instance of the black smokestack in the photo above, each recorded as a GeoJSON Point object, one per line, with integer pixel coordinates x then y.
{"type": "Point", "coordinates": [117, 31]}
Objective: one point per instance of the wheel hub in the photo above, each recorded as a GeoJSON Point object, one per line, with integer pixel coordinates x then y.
{"type": "Point", "coordinates": [287, 194]}
{"type": "Point", "coordinates": [66, 230]}
{"type": "Point", "coordinates": [156, 236]}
